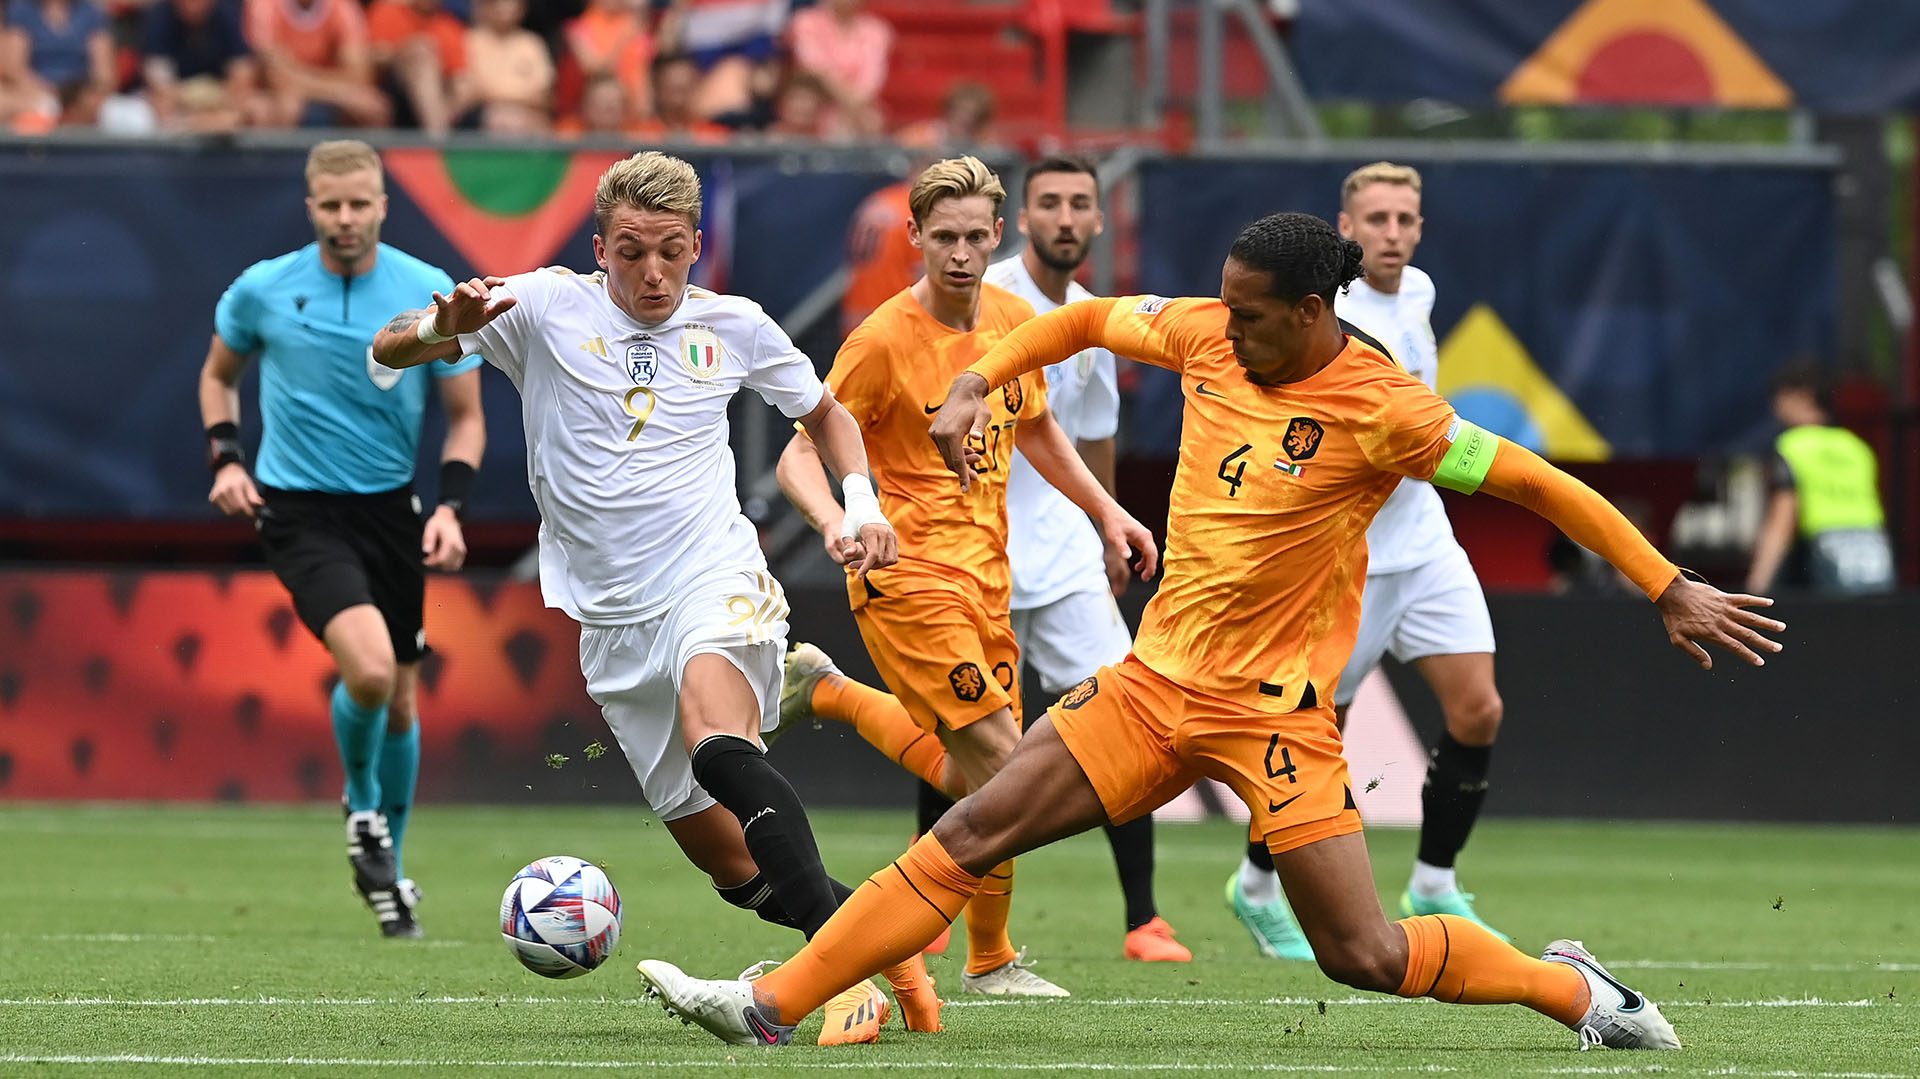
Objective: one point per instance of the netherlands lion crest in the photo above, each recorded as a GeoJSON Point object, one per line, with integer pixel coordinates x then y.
{"type": "Point", "coordinates": [1303, 438]}
{"type": "Point", "coordinates": [968, 683]}
{"type": "Point", "coordinates": [1014, 395]}
{"type": "Point", "coordinates": [1080, 694]}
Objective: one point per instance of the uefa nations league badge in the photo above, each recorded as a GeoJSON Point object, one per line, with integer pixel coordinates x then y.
{"type": "Point", "coordinates": [643, 361]}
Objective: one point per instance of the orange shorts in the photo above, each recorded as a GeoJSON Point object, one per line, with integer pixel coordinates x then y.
{"type": "Point", "coordinates": [950, 659]}
{"type": "Point", "coordinates": [1142, 739]}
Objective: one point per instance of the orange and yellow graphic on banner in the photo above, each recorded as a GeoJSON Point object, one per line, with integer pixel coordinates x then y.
{"type": "Point", "coordinates": [1677, 52]}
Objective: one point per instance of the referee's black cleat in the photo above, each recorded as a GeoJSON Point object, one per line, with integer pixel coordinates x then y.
{"type": "Point", "coordinates": [370, 853]}
{"type": "Point", "coordinates": [405, 898]}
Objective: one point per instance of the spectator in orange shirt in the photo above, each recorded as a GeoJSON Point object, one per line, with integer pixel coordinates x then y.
{"type": "Point", "coordinates": [847, 48]}
{"type": "Point", "coordinates": [509, 71]}
{"type": "Point", "coordinates": [676, 78]}
{"type": "Point", "coordinates": [421, 52]}
{"type": "Point", "coordinates": [318, 66]}
{"type": "Point", "coordinates": [612, 37]}
{"type": "Point", "coordinates": [881, 258]}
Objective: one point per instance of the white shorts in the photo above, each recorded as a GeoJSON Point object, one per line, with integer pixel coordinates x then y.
{"type": "Point", "coordinates": [1433, 609]}
{"type": "Point", "coordinates": [633, 672]}
{"type": "Point", "coordinates": [1072, 637]}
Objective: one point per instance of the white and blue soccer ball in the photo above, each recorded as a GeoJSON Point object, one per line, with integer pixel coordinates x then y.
{"type": "Point", "coordinates": [560, 916]}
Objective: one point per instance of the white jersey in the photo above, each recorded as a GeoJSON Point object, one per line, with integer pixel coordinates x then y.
{"type": "Point", "coordinates": [1412, 527]}
{"type": "Point", "coordinates": [1050, 542]}
{"type": "Point", "coordinates": [626, 427]}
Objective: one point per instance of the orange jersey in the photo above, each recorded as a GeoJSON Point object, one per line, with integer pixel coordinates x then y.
{"type": "Point", "coordinates": [881, 260]}
{"type": "Point", "coordinates": [892, 374]}
{"type": "Point", "coordinates": [1266, 529]}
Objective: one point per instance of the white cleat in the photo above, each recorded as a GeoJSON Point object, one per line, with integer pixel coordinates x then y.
{"type": "Point", "coordinates": [1012, 979]}
{"type": "Point", "coordinates": [723, 1008]}
{"type": "Point", "coordinates": [1618, 1017]}
{"type": "Point", "coordinates": [805, 666]}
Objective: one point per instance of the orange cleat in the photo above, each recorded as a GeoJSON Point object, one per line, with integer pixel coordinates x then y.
{"type": "Point", "coordinates": [855, 1016]}
{"type": "Point", "coordinates": [939, 945]}
{"type": "Point", "coordinates": [1154, 943]}
{"type": "Point", "coordinates": [913, 991]}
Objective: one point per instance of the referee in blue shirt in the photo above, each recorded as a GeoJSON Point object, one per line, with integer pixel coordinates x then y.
{"type": "Point", "coordinates": [332, 491]}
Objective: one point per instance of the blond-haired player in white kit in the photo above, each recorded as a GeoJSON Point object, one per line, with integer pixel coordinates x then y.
{"type": "Point", "coordinates": [625, 377]}
{"type": "Point", "coordinates": [1422, 602]}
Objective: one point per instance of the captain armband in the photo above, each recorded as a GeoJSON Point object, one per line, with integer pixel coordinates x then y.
{"type": "Point", "coordinates": [1465, 466]}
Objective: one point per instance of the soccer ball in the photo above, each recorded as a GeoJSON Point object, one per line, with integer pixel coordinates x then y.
{"type": "Point", "coordinates": [560, 916]}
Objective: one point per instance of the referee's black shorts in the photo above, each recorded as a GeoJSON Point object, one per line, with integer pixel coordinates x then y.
{"type": "Point", "coordinates": [335, 551]}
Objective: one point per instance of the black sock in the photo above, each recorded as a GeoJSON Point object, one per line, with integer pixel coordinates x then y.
{"type": "Point", "coordinates": [736, 772]}
{"type": "Point", "coordinates": [757, 896]}
{"type": "Point", "coordinates": [933, 805]}
{"type": "Point", "coordinates": [1450, 800]}
{"type": "Point", "coordinates": [1259, 855]}
{"type": "Point", "coordinates": [1132, 844]}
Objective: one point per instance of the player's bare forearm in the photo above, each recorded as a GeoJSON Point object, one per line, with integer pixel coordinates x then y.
{"type": "Point", "coordinates": [1047, 449]}
{"type": "Point", "coordinates": [398, 344]}
{"type": "Point", "coordinates": [803, 480]}
{"type": "Point", "coordinates": [836, 438]}
{"type": "Point", "coordinates": [1098, 455]}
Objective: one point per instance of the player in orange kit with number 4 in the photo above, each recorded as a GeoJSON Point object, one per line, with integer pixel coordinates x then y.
{"type": "Point", "coordinates": [1295, 430]}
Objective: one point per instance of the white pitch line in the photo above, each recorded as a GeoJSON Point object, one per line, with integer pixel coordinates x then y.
{"type": "Point", "coordinates": [124, 938]}
{"type": "Point", "coordinates": [1691, 964]}
{"type": "Point", "coordinates": [1013, 1002]}
{"type": "Point", "coordinates": [797, 1062]}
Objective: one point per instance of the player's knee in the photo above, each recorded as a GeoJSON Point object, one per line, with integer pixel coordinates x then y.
{"type": "Point", "coordinates": [1475, 721]}
{"type": "Point", "coordinates": [968, 838]}
{"type": "Point", "coordinates": [369, 683]}
{"type": "Point", "coordinates": [1361, 964]}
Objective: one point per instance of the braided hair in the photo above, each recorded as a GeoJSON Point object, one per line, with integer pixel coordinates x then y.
{"type": "Point", "coordinates": [1301, 253]}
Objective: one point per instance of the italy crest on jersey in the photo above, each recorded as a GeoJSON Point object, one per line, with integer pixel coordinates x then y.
{"type": "Point", "coordinates": [700, 348]}
{"type": "Point", "coordinates": [643, 362]}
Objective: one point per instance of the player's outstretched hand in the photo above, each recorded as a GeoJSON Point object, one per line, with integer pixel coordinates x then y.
{"type": "Point", "coordinates": [234, 492]}
{"type": "Point", "coordinates": [875, 547]}
{"type": "Point", "coordinates": [471, 305]}
{"type": "Point", "coordinates": [443, 542]}
{"type": "Point", "coordinates": [961, 421]}
{"type": "Point", "coordinates": [1125, 538]}
{"type": "Point", "coordinates": [1697, 614]}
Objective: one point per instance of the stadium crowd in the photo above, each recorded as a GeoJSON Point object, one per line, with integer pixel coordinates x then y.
{"type": "Point", "coordinates": [697, 70]}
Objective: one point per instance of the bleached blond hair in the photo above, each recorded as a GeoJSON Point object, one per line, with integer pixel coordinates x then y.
{"type": "Point", "coordinates": [954, 178]}
{"type": "Point", "coordinates": [650, 181]}
{"type": "Point", "coordinates": [337, 157]}
{"type": "Point", "coordinates": [1380, 172]}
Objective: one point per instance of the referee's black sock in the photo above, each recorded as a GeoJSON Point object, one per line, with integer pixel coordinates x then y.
{"type": "Point", "coordinates": [736, 772]}
{"type": "Point", "coordinates": [1132, 845]}
{"type": "Point", "coordinates": [1450, 799]}
{"type": "Point", "coordinates": [933, 805]}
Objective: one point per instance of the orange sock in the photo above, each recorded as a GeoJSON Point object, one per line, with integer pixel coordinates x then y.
{"type": "Point", "coordinates": [883, 721]}
{"type": "Point", "coordinates": [1453, 960]}
{"type": "Point", "coordinates": [897, 912]}
{"type": "Point", "coordinates": [988, 946]}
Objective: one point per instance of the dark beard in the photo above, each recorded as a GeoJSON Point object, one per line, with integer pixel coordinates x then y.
{"type": "Point", "coordinates": [1063, 265]}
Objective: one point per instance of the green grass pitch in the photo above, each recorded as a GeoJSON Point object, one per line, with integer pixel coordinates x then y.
{"type": "Point", "coordinates": [160, 941]}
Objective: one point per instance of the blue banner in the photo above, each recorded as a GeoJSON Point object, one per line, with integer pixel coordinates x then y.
{"type": "Point", "coordinates": [1588, 311]}
{"type": "Point", "coordinates": [1836, 56]}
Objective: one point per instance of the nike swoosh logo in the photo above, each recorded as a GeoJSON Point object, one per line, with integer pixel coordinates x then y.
{"type": "Point", "coordinates": [1202, 388]}
{"type": "Point", "coordinates": [760, 1030]}
{"type": "Point", "coordinates": [931, 409]}
{"type": "Point", "coordinates": [1629, 1000]}
{"type": "Point", "coordinates": [1275, 807]}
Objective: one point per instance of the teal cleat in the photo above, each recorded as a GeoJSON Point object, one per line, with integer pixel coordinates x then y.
{"type": "Point", "coordinates": [1456, 903]}
{"type": "Point", "coordinates": [1271, 925]}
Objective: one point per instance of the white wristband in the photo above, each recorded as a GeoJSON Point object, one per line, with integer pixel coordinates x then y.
{"type": "Point", "coordinates": [863, 507]}
{"type": "Point", "coordinates": [425, 332]}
